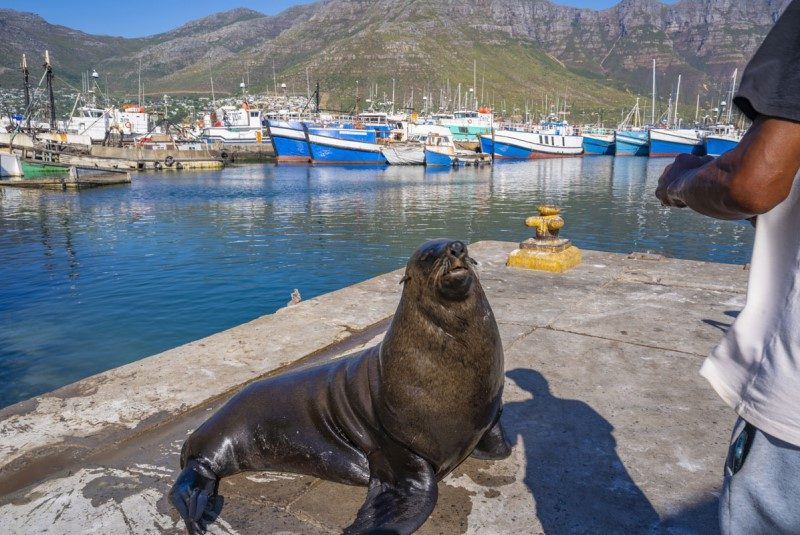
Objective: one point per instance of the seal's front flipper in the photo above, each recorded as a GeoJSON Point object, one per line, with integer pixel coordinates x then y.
{"type": "Point", "coordinates": [195, 496]}
{"type": "Point", "coordinates": [402, 494]}
{"type": "Point", "coordinates": [493, 445]}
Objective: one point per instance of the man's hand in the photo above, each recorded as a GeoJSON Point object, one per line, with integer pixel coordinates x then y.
{"type": "Point", "coordinates": [748, 180]}
{"type": "Point", "coordinates": [678, 170]}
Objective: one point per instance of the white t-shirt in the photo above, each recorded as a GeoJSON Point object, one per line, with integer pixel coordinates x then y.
{"type": "Point", "coordinates": [756, 366]}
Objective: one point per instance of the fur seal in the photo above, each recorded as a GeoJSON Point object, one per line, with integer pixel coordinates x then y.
{"type": "Point", "coordinates": [396, 417]}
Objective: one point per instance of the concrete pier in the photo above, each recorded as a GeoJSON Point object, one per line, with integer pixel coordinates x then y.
{"type": "Point", "coordinates": [614, 430]}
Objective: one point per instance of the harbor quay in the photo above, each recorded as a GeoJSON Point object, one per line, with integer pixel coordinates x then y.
{"type": "Point", "coordinates": [614, 431]}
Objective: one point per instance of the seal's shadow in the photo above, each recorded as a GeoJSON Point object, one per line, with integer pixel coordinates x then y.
{"type": "Point", "coordinates": [572, 468]}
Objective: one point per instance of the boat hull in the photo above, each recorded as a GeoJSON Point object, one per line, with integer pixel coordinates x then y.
{"type": "Point", "coordinates": [437, 159]}
{"type": "Point", "coordinates": [506, 144]}
{"type": "Point", "coordinates": [233, 135]}
{"type": "Point", "coordinates": [598, 144]}
{"type": "Point", "coordinates": [716, 145]}
{"type": "Point", "coordinates": [631, 144]}
{"type": "Point", "coordinates": [670, 143]}
{"type": "Point", "coordinates": [344, 146]}
{"type": "Point", "coordinates": [404, 155]}
{"type": "Point", "coordinates": [289, 142]}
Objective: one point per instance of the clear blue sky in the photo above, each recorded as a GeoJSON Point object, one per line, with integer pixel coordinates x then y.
{"type": "Point", "coordinates": [148, 17]}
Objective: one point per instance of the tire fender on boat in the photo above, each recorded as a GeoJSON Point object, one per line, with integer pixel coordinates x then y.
{"type": "Point", "coordinates": [157, 166]}
{"type": "Point", "coordinates": [169, 160]}
{"type": "Point", "coordinates": [179, 166]}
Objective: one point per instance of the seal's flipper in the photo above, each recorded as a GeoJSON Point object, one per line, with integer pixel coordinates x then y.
{"type": "Point", "coordinates": [402, 494]}
{"type": "Point", "coordinates": [493, 445]}
{"type": "Point", "coordinates": [195, 496]}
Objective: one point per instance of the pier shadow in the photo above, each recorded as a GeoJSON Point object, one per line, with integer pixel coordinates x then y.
{"type": "Point", "coordinates": [572, 468]}
{"type": "Point", "coordinates": [722, 326]}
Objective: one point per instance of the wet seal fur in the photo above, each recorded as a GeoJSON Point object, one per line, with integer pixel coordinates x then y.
{"type": "Point", "coordinates": [396, 417]}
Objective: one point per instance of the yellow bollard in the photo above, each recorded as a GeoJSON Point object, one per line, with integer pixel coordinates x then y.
{"type": "Point", "coordinates": [546, 251]}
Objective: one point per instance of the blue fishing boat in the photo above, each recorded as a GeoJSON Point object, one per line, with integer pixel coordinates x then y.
{"type": "Point", "coordinates": [722, 139]}
{"type": "Point", "coordinates": [630, 138]}
{"type": "Point", "coordinates": [598, 141]}
{"type": "Point", "coordinates": [289, 140]}
{"type": "Point", "coordinates": [717, 145]}
{"type": "Point", "coordinates": [344, 146]}
{"type": "Point", "coordinates": [631, 143]}
{"type": "Point", "coordinates": [670, 143]}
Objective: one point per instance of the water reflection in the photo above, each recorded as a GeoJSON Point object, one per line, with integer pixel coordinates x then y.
{"type": "Point", "coordinates": [93, 279]}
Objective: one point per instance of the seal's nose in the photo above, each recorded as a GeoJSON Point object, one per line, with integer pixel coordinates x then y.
{"type": "Point", "coordinates": [457, 249]}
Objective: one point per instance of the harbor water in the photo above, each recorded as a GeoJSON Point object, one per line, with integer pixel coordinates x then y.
{"type": "Point", "coordinates": [93, 279]}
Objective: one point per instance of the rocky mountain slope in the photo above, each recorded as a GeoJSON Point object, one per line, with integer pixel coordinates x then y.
{"type": "Point", "coordinates": [523, 49]}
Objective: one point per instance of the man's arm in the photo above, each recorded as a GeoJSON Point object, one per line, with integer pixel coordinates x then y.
{"type": "Point", "coordinates": [749, 180]}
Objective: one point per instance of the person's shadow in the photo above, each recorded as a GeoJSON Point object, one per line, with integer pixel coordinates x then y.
{"type": "Point", "coordinates": [577, 479]}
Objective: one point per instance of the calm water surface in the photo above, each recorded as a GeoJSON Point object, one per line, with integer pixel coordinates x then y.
{"type": "Point", "coordinates": [94, 279]}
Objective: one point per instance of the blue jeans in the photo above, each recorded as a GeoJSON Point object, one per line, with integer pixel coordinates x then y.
{"type": "Point", "coordinates": [761, 493]}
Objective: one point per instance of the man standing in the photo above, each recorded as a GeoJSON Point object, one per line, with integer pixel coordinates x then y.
{"type": "Point", "coordinates": [756, 367]}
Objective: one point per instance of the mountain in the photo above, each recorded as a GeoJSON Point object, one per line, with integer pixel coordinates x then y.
{"type": "Point", "coordinates": [524, 50]}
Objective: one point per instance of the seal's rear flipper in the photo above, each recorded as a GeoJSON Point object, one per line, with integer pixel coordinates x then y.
{"type": "Point", "coordinates": [493, 445]}
{"type": "Point", "coordinates": [400, 498]}
{"type": "Point", "coordinates": [195, 496]}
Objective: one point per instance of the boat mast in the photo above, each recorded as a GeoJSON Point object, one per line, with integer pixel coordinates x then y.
{"type": "Point", "coordinates": [393, 96]}
{"type": "Point", "coordinates": [677, 96]}
{"type": "Point", "coordinates": [474, 83]}
{"type": "Point", "coordinates": [653, 107]}
{"type": "Point", "coordinates": [49, 71]}
{"type": "Point", "coordinates": [139, 94]}
{"type": "Point", "coordinates": [733, 90]}
{"type": "Point", "coordinates": [274, 79]}
{"type": "Point", "coordinates": [697, 109]}
{"type": "Point", "coordinates": [26, 85]}
{"type": "Point", "coordinates": [213, 98]}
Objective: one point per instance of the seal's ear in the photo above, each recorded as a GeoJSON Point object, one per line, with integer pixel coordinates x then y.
{"type": "Point", "coordinates": [405, 278]}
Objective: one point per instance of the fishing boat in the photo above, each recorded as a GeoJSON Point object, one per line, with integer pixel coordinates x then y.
{"type": "Point", "coordinates": [724, 136]}
{"type": "Point", "coordinates": [630, 137]}
{"type": "Point", "coordinates": [468, 125]}
{"type": "Point", "coordinates": [342, 145]}
{"type": "Point", "coordinates": [412, 150]}
{"type": "Point", "coordinates": [631, 143]}
{"type": "Point", "coordinates": [549, 139]}
{"type": "Point", "coordinates": [440, 150]}
{"type": "Point", "coordinates": [598, 140]}
{"type": "Point", "coordinates": [671, 142]}
{"type": "Point", "coordinates": [722, 139]}
{"type": "Point", "coordinates": [233, 125]}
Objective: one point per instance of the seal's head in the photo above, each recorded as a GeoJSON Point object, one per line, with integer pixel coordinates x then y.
{"type": "Point", "coordinates": [444, 267]}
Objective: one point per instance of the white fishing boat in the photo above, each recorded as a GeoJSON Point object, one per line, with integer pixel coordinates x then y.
{"type": "Point", "coordinates": [233, 125]}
